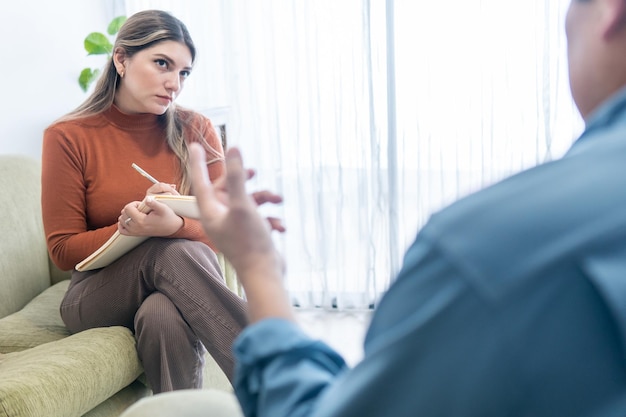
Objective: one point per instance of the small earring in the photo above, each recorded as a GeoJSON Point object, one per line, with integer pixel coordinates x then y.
{"type": "Point", "coordinates": [121, 74]}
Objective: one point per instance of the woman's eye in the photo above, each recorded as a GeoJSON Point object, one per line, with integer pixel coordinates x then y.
{"type": "Point", "coordinates": [185, 74]}
{"type": "Point", "coordinates": [161, 63]}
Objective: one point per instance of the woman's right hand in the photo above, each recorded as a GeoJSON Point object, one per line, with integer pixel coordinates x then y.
{"type": "Point", "coordinates": [162, 188]}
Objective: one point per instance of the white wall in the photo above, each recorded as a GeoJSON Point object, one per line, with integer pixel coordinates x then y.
{"type": "Point", "coordinates": [42, 56]}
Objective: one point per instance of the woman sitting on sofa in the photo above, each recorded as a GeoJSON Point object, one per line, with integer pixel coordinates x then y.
{"type": "Point", "coordinates": [169, 290]}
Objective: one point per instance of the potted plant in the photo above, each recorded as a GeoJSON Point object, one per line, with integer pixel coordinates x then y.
{"type": "Point", "coordinates": [97, 43]}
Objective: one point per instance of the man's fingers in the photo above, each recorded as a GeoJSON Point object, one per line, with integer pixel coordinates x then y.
{"type": "Point", "coordinates": [262, 197]}
{"type": "Point", "coordinates": [236, 177]}
{"type": "Point", "coordinates": [276, 224]}
{"type": "Point", "coordinates": [199, 174]}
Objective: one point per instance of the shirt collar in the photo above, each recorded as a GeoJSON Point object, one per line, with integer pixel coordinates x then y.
{"type": "Point", "coordinates": [610, 113]}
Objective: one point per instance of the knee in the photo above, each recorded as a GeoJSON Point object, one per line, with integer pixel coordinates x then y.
{"type": "Point", "coordinates": [156, 313]}
{"type": "Point", "coordinates": [171, 255]}
{"type": "Point", "coordinates": [184, 248]}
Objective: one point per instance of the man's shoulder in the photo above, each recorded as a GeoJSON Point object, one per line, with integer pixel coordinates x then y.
{"type": "Point", "coordinates": [569, 190]}
{"type": "Point", "coordinates": [536, 219]}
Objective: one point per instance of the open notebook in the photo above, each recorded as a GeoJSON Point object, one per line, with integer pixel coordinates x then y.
{"type": "Point", "coordinates": [118, 244]}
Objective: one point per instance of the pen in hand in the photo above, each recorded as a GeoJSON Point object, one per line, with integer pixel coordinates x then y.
{"type": "Point", "coordinates": [145, 174]}
{"type": "Point", "coordinates": [155, 181]}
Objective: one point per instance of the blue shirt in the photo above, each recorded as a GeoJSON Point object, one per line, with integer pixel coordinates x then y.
{"type": "Point", "coordinates": [510, 302]}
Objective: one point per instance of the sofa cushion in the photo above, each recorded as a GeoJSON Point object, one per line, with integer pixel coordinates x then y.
{"type": "Point", "coordinates": [37, 323]}
{"type": "Point", "coordinates": [24, 271]}
{"type": "Point", "coordinates": [70, 376]}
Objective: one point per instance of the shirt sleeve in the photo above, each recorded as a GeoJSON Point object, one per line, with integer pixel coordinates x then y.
{"type": "Point", "coordinates": [281, 371]}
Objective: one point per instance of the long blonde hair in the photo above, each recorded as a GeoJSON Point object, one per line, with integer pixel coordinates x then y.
{"type": "Point", "coordinates": [143, 30]}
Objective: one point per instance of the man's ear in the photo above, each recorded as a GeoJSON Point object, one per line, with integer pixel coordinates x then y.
{"type": "Point", "coordinates": [615, 14]}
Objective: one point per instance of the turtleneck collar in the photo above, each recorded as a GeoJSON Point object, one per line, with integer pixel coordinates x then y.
{"type": "Point", "coordinates": [142, 121]}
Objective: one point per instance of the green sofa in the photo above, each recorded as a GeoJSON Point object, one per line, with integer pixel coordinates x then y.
{"type": "Point", "coordinates": [45, 371]}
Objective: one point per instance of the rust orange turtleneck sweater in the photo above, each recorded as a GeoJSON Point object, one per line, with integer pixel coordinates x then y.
{"type": "Point", "coordinates": [87, 177]}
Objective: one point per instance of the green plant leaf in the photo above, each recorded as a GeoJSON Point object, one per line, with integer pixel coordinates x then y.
{"type": "Point", "coordinates": [97, 43]}
{"type": "Point", "coordinates": [115, 25]}
{"type": "Point", "coordinates": [87, 76]}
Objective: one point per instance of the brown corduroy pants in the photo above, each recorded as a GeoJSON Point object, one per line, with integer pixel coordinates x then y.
{"type": "Point", "coordinates": [171, 293]}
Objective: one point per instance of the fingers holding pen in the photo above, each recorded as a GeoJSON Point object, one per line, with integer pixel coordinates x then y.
{"type": "Point", "coordinates": [163, 188]}
{"type": "Point", "coordinates": [157, 187]}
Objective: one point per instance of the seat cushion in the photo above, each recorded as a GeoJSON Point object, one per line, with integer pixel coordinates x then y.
{"type": "Point", "coordinates": [70, 376]}
{"type": "Point", "coordinates": [37, 323]}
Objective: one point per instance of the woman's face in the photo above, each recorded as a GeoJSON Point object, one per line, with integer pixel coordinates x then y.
{"type": "Point", "coordinates": [152, 78]}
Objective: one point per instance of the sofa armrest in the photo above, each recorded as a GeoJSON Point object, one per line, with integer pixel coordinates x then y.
{"type": "Point", "coordinates": [37, 323]}
{"type": "Point", "coordinates": [70, 376]}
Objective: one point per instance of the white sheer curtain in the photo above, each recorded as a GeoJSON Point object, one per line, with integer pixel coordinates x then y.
{"type": "Point", "coordinates": [368, 115]}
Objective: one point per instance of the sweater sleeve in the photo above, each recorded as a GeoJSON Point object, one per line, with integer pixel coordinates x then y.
{"type": "Point", "coordinates": [64, 205]}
